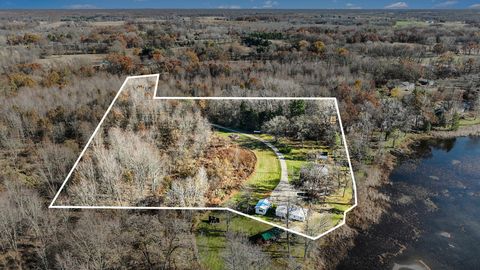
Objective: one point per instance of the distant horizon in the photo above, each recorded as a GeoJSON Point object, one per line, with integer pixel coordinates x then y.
{"type": "Point", "coordinates": [243, 5]}
{"type": "Point", "coordinates": [252, 9]}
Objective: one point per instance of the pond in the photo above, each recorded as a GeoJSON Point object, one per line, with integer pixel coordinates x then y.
{"type": "Point", "coordinates": [434, 218]}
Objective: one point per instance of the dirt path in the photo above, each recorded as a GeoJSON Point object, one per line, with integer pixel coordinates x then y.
{"type": "Point", "coordinates": [284, 191]}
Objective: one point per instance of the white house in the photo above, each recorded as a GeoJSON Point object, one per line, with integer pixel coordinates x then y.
{"type": "Point", "coordinates": [295, 213]}
{"type": "Point", "coordinates": [406, 86]}
{"type": "Point", "coordinates": [262, 207]}
{"type": "Point", "coordinates": [323, 171]}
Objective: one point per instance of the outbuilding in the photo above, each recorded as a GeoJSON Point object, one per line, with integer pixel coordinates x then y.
{"type": "Point", "coordinates": [270, 235]}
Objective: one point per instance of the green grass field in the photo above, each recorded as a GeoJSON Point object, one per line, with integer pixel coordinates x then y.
{"type": "Point", "coordinates": [296, 158]}
{"type": "Point", "coordinates": [409, 23]}
{"type": "Point", "coordinates": [266, 176]}
{"type": "Point", "coordinates": [211, 239]}
{"type": "Point", "coordinates": [469, 122]}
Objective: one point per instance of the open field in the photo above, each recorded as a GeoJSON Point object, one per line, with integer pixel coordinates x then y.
{"type": "Point", "coordinates": [71, 59]}
{"type": "Point", "coordinates": [410, 23]}
{"type": "Point", "coordinates": [211, 238]}
{"type": "Point", "coordinates": [266, 176]}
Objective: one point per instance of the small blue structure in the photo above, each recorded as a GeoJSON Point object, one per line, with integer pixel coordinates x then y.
{"type": "Point", "coordinates": [262, 207]}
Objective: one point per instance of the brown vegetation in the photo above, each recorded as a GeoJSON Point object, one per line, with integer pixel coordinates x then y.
{"type": "Point", "coordinates": [49, 108]}
{"type": "Point", "coordinates": [230, 164]}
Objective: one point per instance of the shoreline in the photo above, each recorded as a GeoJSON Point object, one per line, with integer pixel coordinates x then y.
{"type": "Point", "coordinates": [373, 204]}
{"type": "Point", "coordinates": [463, 131]}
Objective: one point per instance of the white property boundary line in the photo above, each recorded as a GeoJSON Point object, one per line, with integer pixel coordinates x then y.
{"type": "Point", "coordinates": [157, 76]}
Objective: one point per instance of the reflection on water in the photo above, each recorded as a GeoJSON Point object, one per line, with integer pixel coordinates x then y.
{"type": "Point", "coordinates": [434, 220]}
{"type": "Point", "coordinates": [420, 265]}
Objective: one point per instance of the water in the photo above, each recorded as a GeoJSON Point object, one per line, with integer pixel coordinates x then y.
{"type": "Point", "coordinates": [434, 219]}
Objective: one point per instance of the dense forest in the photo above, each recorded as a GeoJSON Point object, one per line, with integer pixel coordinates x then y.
{"type": "Point", "coordinates": [394, 74]}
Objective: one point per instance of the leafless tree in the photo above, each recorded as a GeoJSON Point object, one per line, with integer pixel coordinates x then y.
{"type": "Point", "coordinates": [56, 161]}
{"type": "Point", "coordinates": [239, 254]}
{"type": "Point", "coordinates": [11, 227]}
{"type": "Point", "coordinates": [189, 192]}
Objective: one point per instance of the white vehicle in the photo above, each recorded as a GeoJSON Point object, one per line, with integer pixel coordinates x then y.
{"type": "Point", "coordinates": [295, 213]}
{"type": "Point", "coordinates": [262, 207]}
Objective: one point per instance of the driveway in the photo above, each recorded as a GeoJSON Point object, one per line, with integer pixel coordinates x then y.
{"type": "Point", "coordinates": [284, 191]}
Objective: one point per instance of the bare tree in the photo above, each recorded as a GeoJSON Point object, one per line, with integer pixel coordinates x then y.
{"type": "Point", "coordinates": [189, 192]}
{"type": "Point", "coordinates": [239, 254]}
{"type": "Point", "coordinates": [11, 227]}
{"type": "Point", "coordinates": [92, 243]}
{"type": "Point", "coordinates": [84, 190]}
{"type": "Point", "coordinates": [316, 180]}
{"type": "Point", "coordinates": [56, 160]}
{"type": "Point", "coordinates": [277, 126]}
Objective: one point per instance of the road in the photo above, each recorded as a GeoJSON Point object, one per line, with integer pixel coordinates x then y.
{"type": "Point", "coordinates": [284, 191]}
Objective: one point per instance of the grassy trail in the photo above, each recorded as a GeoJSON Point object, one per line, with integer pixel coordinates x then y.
{"type": "Point", "coordinates": [265, 177]}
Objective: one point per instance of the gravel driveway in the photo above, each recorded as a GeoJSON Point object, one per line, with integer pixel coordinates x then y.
{"type": "Point", "coordinates": [284, 191]}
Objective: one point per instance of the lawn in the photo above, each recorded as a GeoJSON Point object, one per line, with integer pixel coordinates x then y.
{"type": "Point", "coordinates": [296, 154]}
{"type": "Point", "coordinates": [267, 174]}
{"type": "Point", "coordinates": [470, 121]}
{"type": "Point", "coordinates": [211, 239]}
{"type": "Point", "coordinates": [265, 177]}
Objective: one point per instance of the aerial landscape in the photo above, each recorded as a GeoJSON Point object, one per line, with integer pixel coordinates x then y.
{"type": "Point", "coordinates": [269, 158]}
{"type": "Point", "coordinates": [240, 137]}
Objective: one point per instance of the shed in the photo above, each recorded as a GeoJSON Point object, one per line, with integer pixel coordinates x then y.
{"type": "Point", "coordinates": [262, 207]}
{"type": "Point", "coordinates": [271, 234]}
{"type": "Point", "coordinates": [268, 235]}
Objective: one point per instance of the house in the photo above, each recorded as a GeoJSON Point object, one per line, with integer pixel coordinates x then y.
{"type": "Point", "coordinates": [322, 155]}
{"type": "Point", "coordinates": [406, 86]}
{"type": "Point", "coordinates": [425, 82]}
{"type": "Point", "coordinates": [318, 156]}
{"type": "Point", "coordinates": [294, 213]}
{"type": "Point", "coordinates": [262, 207]}
{"type": "Point", "coordinates": [403, 86]}
{"type": "Point", "coordinates": [323, 171]}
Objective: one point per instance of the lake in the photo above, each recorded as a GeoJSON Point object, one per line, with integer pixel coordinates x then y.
{"type": "Point", "coordinates": [434, 218]}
